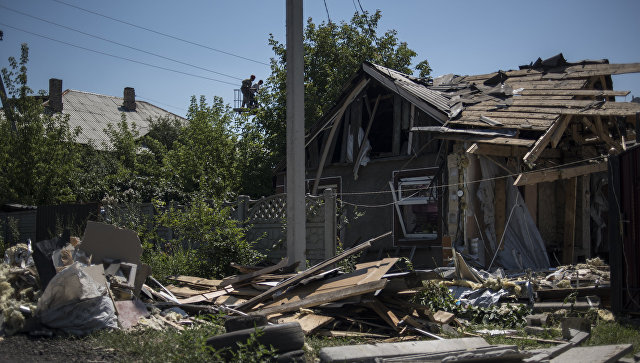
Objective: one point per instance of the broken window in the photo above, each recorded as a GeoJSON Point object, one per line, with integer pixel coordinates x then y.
{"type": "Point", "coordinates": [416, 206]}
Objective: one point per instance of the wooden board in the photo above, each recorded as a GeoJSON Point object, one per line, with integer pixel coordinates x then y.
{"type": "Point", "coordinates": [206, 297]}
{"type": "Point", "coordinates": [195, 280]}
{"type": "Point", "coordinates": [500, 208]}
{"type": "Point", "coordinates": [232, 280]}
{"type": "Point", "coordinates": [364, 273]}
{"type": "Point", "coordinates": [183, 291]}
{"type": "Point", "coordinates": [323, 298]}
{"type": "Point", "coordinates": [308, 322]}
{"type": "Point", "coordinates": [383, 312]}
{"type": "Point", "coordinates": [535, 177]}
{"type": "Point", "coordinates": [311, 271]}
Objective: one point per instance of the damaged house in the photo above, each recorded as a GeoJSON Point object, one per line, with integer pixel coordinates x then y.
{"type": "Point", "coordinates": [509, 168]}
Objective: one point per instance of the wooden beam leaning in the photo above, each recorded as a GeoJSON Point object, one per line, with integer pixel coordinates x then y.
{"type": "Point", "coordinates": [334, 127]}
{"type": "Point", "coordinates": [543, 141]}
{"type": "Point", "coordinates": [308, 272]}
{"type": "Point", "coordinates": [557, 135]}
{"type": "Point", "coordinates": [535, 177]}
{"type": "Point", "coordinates": [356, 161]}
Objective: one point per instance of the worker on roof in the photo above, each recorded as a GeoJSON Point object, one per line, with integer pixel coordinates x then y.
{"type": "Point", "coordinates": [246, 90]}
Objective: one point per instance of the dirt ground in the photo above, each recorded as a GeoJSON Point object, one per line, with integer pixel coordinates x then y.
{"type": "Point", "coordinates": [22, 348]}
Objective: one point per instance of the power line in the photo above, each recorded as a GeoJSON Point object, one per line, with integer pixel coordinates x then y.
{"type": "Point", "coordinates": [161, 33]}
{"type": "Point", "coordinates": [327, 9]}
{"type": "Point", "coordinates": [118, 57]}
{"type": "Point", "coordinates": [117, 43]}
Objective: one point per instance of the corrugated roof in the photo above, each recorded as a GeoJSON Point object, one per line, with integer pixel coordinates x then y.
{"type": "Point", "coordinates": [417, 87]}
{"type": "Point", "coordinates": [92, 113]}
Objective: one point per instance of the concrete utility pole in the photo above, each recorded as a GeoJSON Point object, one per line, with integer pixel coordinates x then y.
{"type": "Point", "coordinates": [296, 216]}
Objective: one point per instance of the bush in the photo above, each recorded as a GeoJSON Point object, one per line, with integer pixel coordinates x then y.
{"type": "Point", "coordinates": [206, 240]}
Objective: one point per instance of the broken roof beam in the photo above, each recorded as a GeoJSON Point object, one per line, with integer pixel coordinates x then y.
{"type": "Point", "coordinates": [535, 177]}
{"type": "Point", "coordinates": [337, 118]}
{"type": "Point", "coordinates": [543, 141]}
{"type": "Point", "coordinates": [505, 150]}
{"type": "Point", "coordinates": [372, 114]}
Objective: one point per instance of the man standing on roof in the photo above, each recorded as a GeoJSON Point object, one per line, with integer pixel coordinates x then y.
{"type": "Point", "coordinates": [246, 90]}
{"type": "Point", "coordinates": [254, 90]}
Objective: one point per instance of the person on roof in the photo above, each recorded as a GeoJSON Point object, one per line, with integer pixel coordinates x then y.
{"type": "Point", "coordinates": [246, 90]}
{"type": "Point", "coordinates": [253, 103]}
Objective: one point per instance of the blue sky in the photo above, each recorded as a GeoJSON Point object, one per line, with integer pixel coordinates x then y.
{"type": "Point", "coordinates": [462, 37]}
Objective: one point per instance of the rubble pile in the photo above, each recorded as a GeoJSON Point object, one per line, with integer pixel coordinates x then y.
{"type": "Point", "coordinates": [78, 286]}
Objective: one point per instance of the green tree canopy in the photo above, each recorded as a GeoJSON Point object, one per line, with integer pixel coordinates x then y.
{"type": "Point", "coordinates": [333, 53]}
{"type": "Point", "coordinates": [38, 154]}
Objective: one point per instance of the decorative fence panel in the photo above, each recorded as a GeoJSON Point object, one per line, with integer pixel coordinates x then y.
{"type": "Point", "coordinates": [266, 218]}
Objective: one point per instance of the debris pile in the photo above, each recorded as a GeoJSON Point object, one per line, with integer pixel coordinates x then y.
{"type": "Point", "coordinates": [78, 286]}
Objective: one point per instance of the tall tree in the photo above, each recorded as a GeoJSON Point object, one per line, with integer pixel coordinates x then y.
{"type": "Point", "coordinates": [333, 53]}
{"type": "Point", "coordinates": [38, 154]}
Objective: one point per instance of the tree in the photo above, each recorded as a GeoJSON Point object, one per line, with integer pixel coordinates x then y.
{"type": "Point", "coordinates": [39, 157]}
{"type": "Point", "coordinates": [333, 53]}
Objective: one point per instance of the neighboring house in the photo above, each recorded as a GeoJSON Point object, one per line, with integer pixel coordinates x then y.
{"type": "Point", "coordinates": [473, 135]}
{"type": "Point", "coordinates": [92, 112]}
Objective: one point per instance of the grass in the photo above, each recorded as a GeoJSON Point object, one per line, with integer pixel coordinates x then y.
{"type": "Point", "coordinates": [609, 332]}
{"type": "Point", "coordinates": [161, 346]}
{"type": "Point", "coordinates": [188, 345]}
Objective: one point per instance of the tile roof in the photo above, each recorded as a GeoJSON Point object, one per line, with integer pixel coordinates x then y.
{"type": "Point", "coordinates": [92, 113]}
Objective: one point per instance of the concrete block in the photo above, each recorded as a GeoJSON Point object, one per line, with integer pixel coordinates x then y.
{"type": "Point", "coordinates": [538, 319]}
{"type": "Point", "coordinates": [580, 324]}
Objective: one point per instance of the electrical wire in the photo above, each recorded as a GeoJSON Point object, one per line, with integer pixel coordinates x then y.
{"type": "Point", "coordinates": [327, 9]}
{"type": "Point", "coordinates": [445, 186]}
{"type": "Point", "coordinates": [161, 33]}
{"type": "Point", "coordinates": [160, 103]}
{"type": "Point", "coordinates": [117, 57]}
{"type": "Point", "coordinates": [117, 43]}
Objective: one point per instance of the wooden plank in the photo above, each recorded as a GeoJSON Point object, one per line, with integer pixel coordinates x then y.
{"type": "Point", "coordinates": [557, 135]}
{"type": "Point", "coordinates": [576, 92]}
{"type": "Point", "coordinates": [531, 200]}
{"type": "Point", "coordinates": [325, 148]}
{"type": "Point", "coordinates": [232, 280]}
{"type": "Point", "coordinates": [542, 142]}
{"type": "Point", "coordinates": [345, 136]}
{"type": "Point", "coordinates": [411, 124]}
{"type": "Point", "coordinates": [604, 68]}
{"type": "Point", "coordinates": [569, 221]}
{"type": "Point", "coordinates": [309, 272]}
{"type": "Point", "coordinates": [509, 114]}
{"type": "Point", "coordinates": [603, 133]}
{"type": "Point", "coordinates": [356, 123]}
{"type": "Point", "coordinates": [383, 312]}
{"type": "Point", "coordinates": [405, 115]}
{"type": "Point", "coordinates": [480, 148]}
{"type": "Point", "coordinates": [372, 115]}
{"type": "Point", "coordinates": [309, 322]}
{"type": "Point", "coordinates": [183, 291]}
{"type": "Point", "coordinates": [397, 115]}
{"type": "Point", "coordinates": [500, 208]}
{"type": "Point", "coordinates": [319, 299]}
{"type": "Point", "coordinates": [195, 280]}
{"type": "Point", "coordinates": [535, 177]}
{"type": "Point", "coordinates": [207, 297]}
{"type": "Point", "coordinates": [364, 273]}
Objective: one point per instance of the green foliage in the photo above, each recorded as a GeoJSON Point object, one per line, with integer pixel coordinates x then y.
{"type": "Point", "coordinates": [612, 332]}
{"type": "Point", "coordinates": [250, 351]}
{"type": "Point", "coordinates": [38, 153]}
{"type": "Point", "coordinates": [437, 297]}
{"type": "Point", "coordinates": [160, 346]}
{"type": "Point", "coordinates": [206, 227]}
{"type": "Point", "coordinates": [333, 53]}
{"type": "Point", "coordinates": [348, 264]}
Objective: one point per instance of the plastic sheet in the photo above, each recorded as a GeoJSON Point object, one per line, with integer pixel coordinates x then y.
{"type": "Point", "coordinates": [75, 303]}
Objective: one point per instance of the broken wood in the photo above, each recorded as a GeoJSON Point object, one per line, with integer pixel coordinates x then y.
{"type": "Point", "coordinates": [232, 280]}
{"type": "Point", "coordinates": [311, 271]}
{"type": "Point", "coordinates": [337, 118]}
{"type": "Point", "coordinates": [356, 165]}
{"type": "Point", "coordinates": [543, 141]}
{"type": "Point", "coordinates": [323, 298]}
{"type": "Point", "coordinates": [308, 322]}
{"type": "Point", "coordinates": [206, 297]}
{"type": "Point", "coordinates": [535, 177]}
{"type": "Point", "coordinates": [384, 312]}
